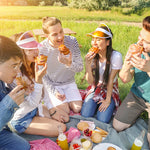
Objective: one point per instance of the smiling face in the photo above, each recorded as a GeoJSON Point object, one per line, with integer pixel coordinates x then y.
{"type": "Point", "coordinates": [145, 38]}
{"type": "Point", "coordinates": [9, 69]}
{"type": "Point", "coordinates": [56, 35]}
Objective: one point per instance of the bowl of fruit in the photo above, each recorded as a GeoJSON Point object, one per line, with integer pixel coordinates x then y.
{"type": "Point", "coordinates": [87, 132]}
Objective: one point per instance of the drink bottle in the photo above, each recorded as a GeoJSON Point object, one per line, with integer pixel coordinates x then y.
{"type": "Point", "coordinates": [62, 140]}
{"type": "Point", "coordinates": [138, 142]}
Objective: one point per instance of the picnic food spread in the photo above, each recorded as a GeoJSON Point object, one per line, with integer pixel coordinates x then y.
{"type": "Point", "coordinates": [94, 135]}
{"type": "Point", "coordinates": [41, 60]}
{"type": "Point", "coordinates": [89, 136]}
{"type": "Point", "coordinates": [94, 49]}
{"type": "Point", "coordinates": [63, 49]}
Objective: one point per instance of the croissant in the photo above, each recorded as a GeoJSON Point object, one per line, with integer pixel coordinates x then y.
{"type": "Point", "coordinates": [94, 49]}
{"type": "Point", "coordinates": [135, 48]}
{"type": "Point", "coordinates": [41, 60]}
{"type": "Point", "coordinates": [20, 81]}
{"type": "Point", "coordinates": [63, 49]}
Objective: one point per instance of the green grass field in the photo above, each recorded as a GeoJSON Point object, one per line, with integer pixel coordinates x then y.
{"type": "Point", "coordinates": [123, 35]}
{"type": "Point", "coordinates": [66, 13]}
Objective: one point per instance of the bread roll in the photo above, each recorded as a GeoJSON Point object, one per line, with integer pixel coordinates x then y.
{"type": "Point", "coordinates": [96, 137]}
{"type": "Point", "coordinates": [111, 148]}
{"type": "Point", "coordinates": [82, 125]}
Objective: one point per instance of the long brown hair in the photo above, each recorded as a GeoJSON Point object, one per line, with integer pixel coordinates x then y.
{"type": "Point", "coordinates": [28, 71]}
{"type": "Point", "coordinates": [95, 64]}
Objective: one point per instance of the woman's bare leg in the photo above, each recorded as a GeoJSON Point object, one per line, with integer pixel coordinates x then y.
{"type": "Point", "coordinates": [44, 126]}
{"type": "Point", "coordinates": [64, 107]}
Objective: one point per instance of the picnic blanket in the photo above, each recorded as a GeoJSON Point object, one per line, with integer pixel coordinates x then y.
{"type": "Point", "coordinates": [122, 139]}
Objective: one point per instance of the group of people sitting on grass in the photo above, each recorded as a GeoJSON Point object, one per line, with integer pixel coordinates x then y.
{"type": "Point", "coordinates": [37, 95]}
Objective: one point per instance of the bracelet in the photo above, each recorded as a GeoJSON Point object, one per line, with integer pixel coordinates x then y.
{"type": "Point", "coordinates": [53, 113]}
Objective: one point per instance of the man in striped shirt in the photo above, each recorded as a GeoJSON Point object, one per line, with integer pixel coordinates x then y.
{"type": "Point", "coordinates": [61, 92]}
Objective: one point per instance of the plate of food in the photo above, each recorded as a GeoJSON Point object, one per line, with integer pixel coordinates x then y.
{"type": "Point", "coordinates": [106, 146]}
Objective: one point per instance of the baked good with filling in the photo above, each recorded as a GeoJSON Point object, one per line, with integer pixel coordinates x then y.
{"type": "Point", "coordinates": [94, 49]}
{"type": "Point", "coordinates": [63, 49]}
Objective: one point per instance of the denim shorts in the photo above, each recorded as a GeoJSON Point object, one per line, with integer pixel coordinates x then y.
{"type": "Point", "coordinates": [22, 124]}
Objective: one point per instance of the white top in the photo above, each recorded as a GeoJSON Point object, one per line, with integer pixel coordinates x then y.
{"type": "Point", "coordinates": [115, 63]}
{"type": "Point", "coordinates": [30, 102]}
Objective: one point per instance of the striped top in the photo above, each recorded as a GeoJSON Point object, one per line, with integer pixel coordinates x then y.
{"type": "Point", "coordinates": [58, 73]}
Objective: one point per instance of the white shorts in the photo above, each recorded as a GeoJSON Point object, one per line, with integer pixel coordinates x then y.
{"type": "Point", "coordinates": [69, 90]}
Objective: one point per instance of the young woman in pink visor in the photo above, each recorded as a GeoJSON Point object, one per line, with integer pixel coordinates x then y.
{"type": "Point", "coordinates": [25, 119]}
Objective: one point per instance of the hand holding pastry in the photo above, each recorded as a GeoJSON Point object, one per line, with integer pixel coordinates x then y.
{"type": "Point", "coordinates": [41, 60]}
{"type": "Point", "coordinates": [134, 49]}
{"type": "Point", "coordinates": [65, 60]}
{"type": "Point", "coordinates": [94, 49]}
{"type": "Point", "coordinates": [17, 94]}
{"type": "Point", "coordinates": [21, 81]}
{"type": "Point", "coordinates": [39, 73]}
{"type": "Point", "coordinates": [91, 54]}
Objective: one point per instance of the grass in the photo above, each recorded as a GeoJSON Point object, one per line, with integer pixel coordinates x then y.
{"type": "Point", "coordinates": [29, 16]}
{"type": "Point", "coordinates": [66, 13]}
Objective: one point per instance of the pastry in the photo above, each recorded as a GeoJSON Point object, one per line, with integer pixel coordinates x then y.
{"type": "Point", "coordinates": [41, 60]}
{"type": "Point", "coordinates": [20, 81]}
{"type": "Point", "coordinates": [63, 49]}
{"type": "Point", "coordinates": [111, 148]}
{"type": "Point", "coordinates": [102, 132]}
{"type": "Point", "coordinates": [96, 137]}
{"type": "Point", "coordinates": [82, 125]}
{"type": "Point", "coordinates": [135, 48]}
{"type": "Point", "coordinates": [94, 49]}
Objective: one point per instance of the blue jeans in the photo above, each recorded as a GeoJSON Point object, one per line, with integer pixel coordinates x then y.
{"type": "Point", "coordinates": [90, 107]}
{"type": "Point", "coordinates": [22, 124]}
{"type": "Point", "coordinates": [11, 141]}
